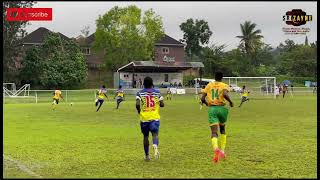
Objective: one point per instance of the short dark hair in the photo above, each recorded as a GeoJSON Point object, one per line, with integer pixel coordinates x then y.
{"type": "Point", "coordinates": [243, 87]}
{"type": "Point", "coordinates": [218, 76]}
{"type": "Point", "coordinates": [103, 86]}
{"type": "Point", "coordinates": [120, 87]}
{"type": "Point", "coordinates": [148, 82]}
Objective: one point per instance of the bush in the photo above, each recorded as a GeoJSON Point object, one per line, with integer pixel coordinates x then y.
{"type": "Point", "coordinates": [296, 81]}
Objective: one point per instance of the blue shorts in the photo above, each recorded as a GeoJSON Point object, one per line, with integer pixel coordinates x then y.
{"type": "Point", "coordinates": [152, 126]}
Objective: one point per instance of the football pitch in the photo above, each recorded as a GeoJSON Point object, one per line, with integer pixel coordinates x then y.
{"type": "Point", "coordinates": [266, 138]}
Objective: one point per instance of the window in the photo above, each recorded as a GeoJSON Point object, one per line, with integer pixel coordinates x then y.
{"type": "Point", "coordinates": [165, 50]}
{"type": "Point", "coordinates": [86, 51]}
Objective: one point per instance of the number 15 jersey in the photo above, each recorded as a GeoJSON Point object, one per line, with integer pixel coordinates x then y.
{"type": "Point", "coordinates": [214, 92]}
{"type": "Point", "coordinates": [150, 104]}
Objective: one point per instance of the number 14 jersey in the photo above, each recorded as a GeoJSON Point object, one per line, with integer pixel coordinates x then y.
{"type": "Point", "coordinates": [214, 92]}
{"type": "Point", "coordinates": [150, 104]}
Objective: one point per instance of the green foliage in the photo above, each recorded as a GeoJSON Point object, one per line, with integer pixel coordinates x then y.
{"type": "Point", "coordinates": [251, 40]}
{"type": "Point", "coordinates": [196, 33]}
{"type": "Point", "coordinates": [13, 32]}
{"type": "Point", "coordinates": [127, 35]}
{"type": "Point", "coordinates": [57, 62]}
{"type": "Point", "coordinates": [296, 81]}
{"type": "Point", "coordinates": [288, 59]}
{"type": "Point", "coordinates": [299, 60]}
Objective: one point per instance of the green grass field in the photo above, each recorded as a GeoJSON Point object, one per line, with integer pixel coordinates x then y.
{"type": "Point", "coordinates": [267, 138]}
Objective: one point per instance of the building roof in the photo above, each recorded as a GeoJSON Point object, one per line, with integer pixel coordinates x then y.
{"type": "Point", "coordinates": [37, 36]}
{"type": "Point", "coordinates": [90, 39]}
{"type": "Point", "coordinates": [153, 66]}
{"type": "Point", "coordinates": [167, 40]}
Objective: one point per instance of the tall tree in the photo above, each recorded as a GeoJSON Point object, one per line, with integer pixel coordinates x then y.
{"type": "Point", "coordinates": [288, 45]}
{"type": "Point", "coordinates": [83, 37]}
{"type": "Point", "coordinates": [85, 31]}
{"type": "Point", "coordinates": [250, 39]}
{"type": "Point", "coordinates": [195, 34]}
{"type": "Point", "coordinates": [127, 34]}
{"type": "Point", "coordinates": [13, 32]}
{"type": "Point", "coordinates": [306, 42]}
{"type": "Point", "coordinates": [57, 62]}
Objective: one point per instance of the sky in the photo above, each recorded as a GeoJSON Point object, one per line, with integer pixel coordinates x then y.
{"type": "Point", "coordinates": [224, 18]}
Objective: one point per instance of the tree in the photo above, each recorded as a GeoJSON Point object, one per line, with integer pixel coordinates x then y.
{"type": "Point", "coordinates": [85, 31]}
{"type": "Point", "coordinates": [264, 55]}
{"type": "Point", "coordinates": [127, 35]}
{"type": "Point", "coordinates": [306, 43]}
{"type": "Point", "coordinates": [196, 34]}
{"type": "Point", "coordinates": [82, 39]}
{"type": "Point", "coordinates": [299, 60]}
{"type": "Point", "coordinates": [250, 39]}
{"type": "Point", "coordinates": [57, 62]}
{"type": "Point", "coordinates": [287, 46]}
{"type": "Point", "coordinates": [13, 32]}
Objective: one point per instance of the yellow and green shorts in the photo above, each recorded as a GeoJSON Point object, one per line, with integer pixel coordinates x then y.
{"type": "Point", "coordinates": [217, 115]}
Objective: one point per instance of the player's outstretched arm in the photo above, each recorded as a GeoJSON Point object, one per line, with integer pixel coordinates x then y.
{"type": "Point", "coordinates": [226, 96]}
{"type": "Point", "coordinates": [138, 105]}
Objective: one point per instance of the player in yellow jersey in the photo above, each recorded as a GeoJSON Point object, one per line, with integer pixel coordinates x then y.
{"type": "Point", "coordinates": [244, 95]}
{"type": "Point", "coordinates": [215, 95]}
{"type": "Point", "coordinates": [200, 94]}
{"type": "Point", "coordinates": [119, 96]}
{"type": "Point", "coordinates": [57, 96]}
{"type": "Point", "coordinates": [102, 93]}
{"type": "Point", "coordinates": [148, 103]}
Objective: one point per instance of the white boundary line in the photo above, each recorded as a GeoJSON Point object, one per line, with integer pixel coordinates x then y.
{"type": "Point", "coordinates": [21, 166]}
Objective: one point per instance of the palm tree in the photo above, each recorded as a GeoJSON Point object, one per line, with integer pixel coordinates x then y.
{"type": "Point", "coordinates": [250, 38]}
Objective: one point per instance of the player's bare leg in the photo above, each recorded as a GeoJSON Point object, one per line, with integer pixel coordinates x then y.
{"type": "Point", "coordinates": [54, 105]}
{"type": "Point", "coordinates": [242, 100]}
{"type": "Point", "coordinates": [214, 139]}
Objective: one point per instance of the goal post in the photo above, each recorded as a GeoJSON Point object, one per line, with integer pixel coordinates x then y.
{"type": "Point", "coordinates": [260, 86]}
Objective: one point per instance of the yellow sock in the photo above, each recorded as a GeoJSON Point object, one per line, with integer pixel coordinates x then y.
{"type": "Point", "coordinates": [214, 143]}
{"type": "Point", "coordinates": [223, 141]}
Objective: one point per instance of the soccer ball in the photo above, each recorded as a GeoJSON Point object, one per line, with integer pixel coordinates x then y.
{"type": "Point", "coordinates": [71, 104]}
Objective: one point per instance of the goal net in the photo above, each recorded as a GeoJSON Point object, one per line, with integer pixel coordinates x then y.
{"type": "Point", "coordinates": [259, 87]}
{"type": "Point", "coordinates": [12, 94]}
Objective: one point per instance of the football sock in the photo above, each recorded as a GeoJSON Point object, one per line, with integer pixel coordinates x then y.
{"type": "Point", "coordinates": [155, 141]}
{"type": "Point", "coordinates": [146, 150]}
{"type": "Point", "coordinates": [223, 140]}
{"type": "Point", "coordinates": [214, 143]}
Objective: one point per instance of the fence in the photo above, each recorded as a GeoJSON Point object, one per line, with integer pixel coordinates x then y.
{"type": "Point", "coordinates": [45, 96]}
